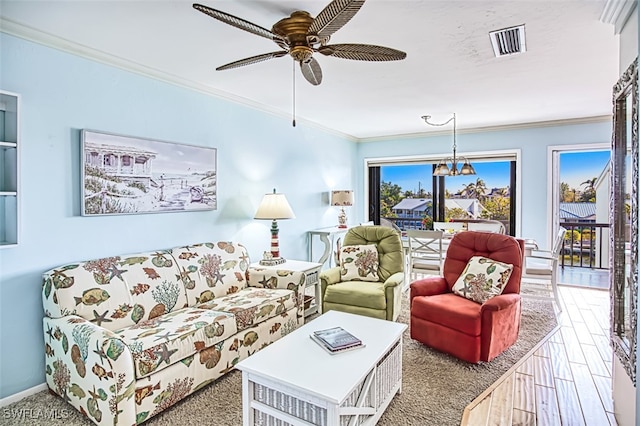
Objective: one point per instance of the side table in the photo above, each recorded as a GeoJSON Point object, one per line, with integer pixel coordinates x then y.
{"type": "Point", "coordinates": [327, 236]}
{"type": "Point", "coordinates": [311, 271]}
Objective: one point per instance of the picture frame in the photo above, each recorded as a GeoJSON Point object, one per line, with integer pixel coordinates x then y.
{"type": "Point", "coordinates": [623, 218]}
{"type": "Point", "coordinates": [134, 175]}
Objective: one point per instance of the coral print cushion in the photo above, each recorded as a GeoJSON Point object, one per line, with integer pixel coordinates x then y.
{"type": "Point", "coordinates": [482, 279]}
{"type": "Point", "coordinates": [359, 263]}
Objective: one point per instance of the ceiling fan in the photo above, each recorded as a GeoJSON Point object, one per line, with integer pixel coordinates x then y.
{"type": "Point", "coordinates": [300, 35]}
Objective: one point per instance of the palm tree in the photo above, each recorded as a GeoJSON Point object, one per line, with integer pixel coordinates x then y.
{"type": "Point", "coordinates": [590, 184]}
{"type": "Point", "coordinates": [469, 190]}
{"type": "Point", "coordinates": [503, 192]}
{"type": "Point", "coordinates": [565, 192]}
{"type": "Point", "coordinates": [589, 194]}
{"type": "Point", "coordinates": [481, 189]}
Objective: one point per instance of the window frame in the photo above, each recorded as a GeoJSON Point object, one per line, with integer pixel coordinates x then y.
{"type": "Point", "coordinates": [514, 155]}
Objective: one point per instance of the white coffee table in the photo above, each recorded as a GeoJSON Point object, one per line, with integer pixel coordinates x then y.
{"type": "Point", "coordinates": [296, 381]}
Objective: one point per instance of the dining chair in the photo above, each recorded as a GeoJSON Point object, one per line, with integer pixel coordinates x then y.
{"type": "Point", "coordinates": [447, 226]}
{"type": "Point", "coordinates": [540, 273]}
{"type": "Point", "coordinates": [426, 253]}
{"type": "Point", "coordinates": [390, 224]}
{"type": "Point", "coordinates": [487, 226]}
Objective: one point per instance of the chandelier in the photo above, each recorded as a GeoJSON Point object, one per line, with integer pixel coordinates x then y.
{"type": "Point", "coordinates": [442, 169]}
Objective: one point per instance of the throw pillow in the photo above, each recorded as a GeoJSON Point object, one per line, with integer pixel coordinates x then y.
{"type": "Point", "coordinates": [359, 263]}
{"type": "Point", "coordinates": [482, 279]}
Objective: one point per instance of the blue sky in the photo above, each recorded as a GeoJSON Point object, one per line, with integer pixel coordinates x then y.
{"type": "Point", "coordinates": [575, 168]}
{"type": "Point", "coordinates": [495, 175]}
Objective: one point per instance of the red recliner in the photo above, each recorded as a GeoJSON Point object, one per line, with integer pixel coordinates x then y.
{"type": "Point", "coordinates": [461, 327]}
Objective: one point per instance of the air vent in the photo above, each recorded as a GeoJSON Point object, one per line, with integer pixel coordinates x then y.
{"type": "Point", "coordinates": [508, 41]}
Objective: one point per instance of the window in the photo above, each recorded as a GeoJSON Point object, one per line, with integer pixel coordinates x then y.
{"type": "Point", "coordinates": [407, 194]}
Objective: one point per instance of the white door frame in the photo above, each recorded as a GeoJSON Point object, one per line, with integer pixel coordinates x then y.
{"type": "Point", "coordinates": [553, 179]}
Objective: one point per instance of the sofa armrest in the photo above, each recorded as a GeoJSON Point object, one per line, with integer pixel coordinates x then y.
{"type": "Point", "coordinates": [500, 302]}
{"type": "Point", "coordinates": [275, 278]}
{"type": "Point", "coordinates": [91, 368]}
{"type": "Point", "coordinates": [429, 286]}
{"type": "Point", "coordinates": [280, 278]}
{"type": "Point", "coordinates": [328, 277]}
{"type": "Point", "coordinates": [394, 280]}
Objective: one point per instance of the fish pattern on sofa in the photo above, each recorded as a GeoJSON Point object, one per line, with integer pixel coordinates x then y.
{"type": "Point", "coordinates": [128, 336]}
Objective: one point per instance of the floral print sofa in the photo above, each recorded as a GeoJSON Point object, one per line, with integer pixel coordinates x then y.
{"type": "Point", "coordinates": [128, 336]}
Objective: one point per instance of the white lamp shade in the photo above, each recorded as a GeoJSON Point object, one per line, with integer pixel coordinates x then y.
{"type": "Point", "coordinates": [342, 197]}
{"type": "Point", "coordinates": [274, 206]}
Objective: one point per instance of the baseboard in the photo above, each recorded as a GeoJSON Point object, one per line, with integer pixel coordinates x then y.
{"type": "Point", "coordinates": [20, 395]}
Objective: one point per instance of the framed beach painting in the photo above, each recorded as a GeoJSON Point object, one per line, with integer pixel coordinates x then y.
{"type": "Point", "coordinates": [129, 175]}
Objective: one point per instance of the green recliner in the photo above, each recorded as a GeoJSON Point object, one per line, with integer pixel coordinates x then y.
{"type": "Point", "coordinates": [379, 299]}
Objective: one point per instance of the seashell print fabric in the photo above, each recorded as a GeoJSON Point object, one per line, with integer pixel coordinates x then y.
{"type": "Point", "coordinates": [128, 336]}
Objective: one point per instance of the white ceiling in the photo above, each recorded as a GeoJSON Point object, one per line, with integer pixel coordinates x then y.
{"type": "Point", "coordinates": [567, 73]}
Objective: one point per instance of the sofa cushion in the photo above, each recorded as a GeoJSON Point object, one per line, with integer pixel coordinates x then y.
{"type": "Point", "coordinates": [210, 270]}
{"type": "Point", "coordinates": [482, 279]}
{"type": "Point", "coordinates": [356, 293]}
{"type": "Point", "coordinates": [359, 263]}
{"type": "Point", "coordinates": [253, 305]}
{"type": "Point", "coordinates": [162, 341]}
{"type": "Point", "coordinates": [115, 292]}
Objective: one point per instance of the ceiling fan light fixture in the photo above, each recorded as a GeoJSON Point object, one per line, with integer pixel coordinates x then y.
{"type": "Point", "coordinates": [301, 35]}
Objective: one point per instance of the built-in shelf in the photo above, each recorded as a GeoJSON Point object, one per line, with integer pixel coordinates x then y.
{"type": "Point", "coordinates": [9, 165]}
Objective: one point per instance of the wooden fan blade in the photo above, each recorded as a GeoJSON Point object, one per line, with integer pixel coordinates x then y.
{"type": "Point", "coordinates": [252, 60]}
{"type": "Point", "coordinates": [362, 52]}
{"type": "Point", "coordinates": [334, 16]}
{"type": "Point", "coordinates": [234, 21]}
{"type": "Point", "coordinates": [311, 71]}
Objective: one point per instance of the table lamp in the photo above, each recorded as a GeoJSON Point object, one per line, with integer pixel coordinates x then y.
{"type": "Point", "coordinates": [273, 207]}
{"type": "Point", "coordinates": [342, 197]}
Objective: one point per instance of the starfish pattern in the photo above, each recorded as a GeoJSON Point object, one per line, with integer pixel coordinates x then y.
{"type": "Point", "coordinates": [50, 332]}
{"type": "Point", "coordinates": [98, 350]}
{"type": "Point", "coordinates": [264, 281]}
{"type": "Point", "coordinates": [115, 272]}
{"type": "Point", "coordinates": [166, 336]}
{"type": "Point", "coordinates": [99, 319]}
{"type": "Point", "coordinates": [164, 354]}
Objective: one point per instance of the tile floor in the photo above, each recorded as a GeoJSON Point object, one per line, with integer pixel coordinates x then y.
{"type": "Point", "coordinates": [566, 379]}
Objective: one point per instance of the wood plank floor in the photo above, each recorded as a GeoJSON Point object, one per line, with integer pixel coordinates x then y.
{"type": "Point", "coordinates": [565, 379]}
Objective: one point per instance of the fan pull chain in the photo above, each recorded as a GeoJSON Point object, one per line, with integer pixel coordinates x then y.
{"type": "Point", "coordinates": [294, 93]}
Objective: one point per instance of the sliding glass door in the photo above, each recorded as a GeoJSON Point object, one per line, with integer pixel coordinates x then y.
{"type": "Point", "coordinates": [409, 196]}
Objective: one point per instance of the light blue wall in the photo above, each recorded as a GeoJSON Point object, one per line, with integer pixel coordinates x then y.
{"type": "Point", "coordinates": [533, 143]}
{"type": "Point", "coordinates": [62, 94]}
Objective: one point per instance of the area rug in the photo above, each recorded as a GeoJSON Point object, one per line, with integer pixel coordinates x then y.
{"type": "Point", "coordinates": [435, 387]}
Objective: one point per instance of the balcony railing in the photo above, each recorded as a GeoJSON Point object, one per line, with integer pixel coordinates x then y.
{"type": "Point", "coordinates": [586, 248]}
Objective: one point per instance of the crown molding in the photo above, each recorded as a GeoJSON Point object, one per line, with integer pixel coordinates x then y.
{"type": "Point", "coordinates": [37, 36]}
{"type": "Point", "coordinates": [617, 12]}
{"type": "Point", "coordinates": [41, 37]}
{"type": "Point", "coordinates": [519, 126]}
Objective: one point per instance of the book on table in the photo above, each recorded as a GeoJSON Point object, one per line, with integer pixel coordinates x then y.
{"type": "Point", "coordinates": [336, 339]}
